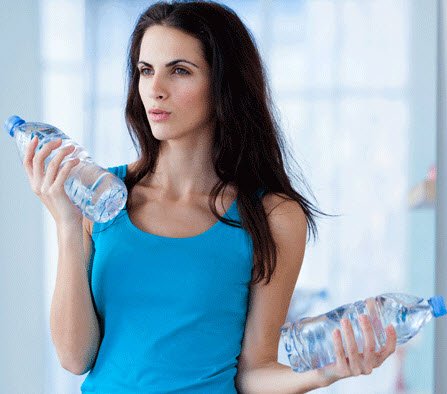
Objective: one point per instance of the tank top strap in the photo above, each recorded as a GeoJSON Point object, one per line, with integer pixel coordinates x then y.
{"type": "Point", "coordinates": [119, 171]}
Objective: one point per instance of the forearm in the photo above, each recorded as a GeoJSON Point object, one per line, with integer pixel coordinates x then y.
{"type": "Point", "coordinates": [74, 326]}
{"type": "Point", "coordinates": [277, 378]}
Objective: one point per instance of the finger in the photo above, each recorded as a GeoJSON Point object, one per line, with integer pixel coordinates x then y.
{"type": "Point", "coordinates": [65, 171]}
{"type": "Point", "coordinates": [39, 158]}
{"type": "Point", "coordinates": [369, 348]}
{"type": "Point", "coordinates": [341, 367]}
{"type": "Point", "coordinates": [351, 348]}
{"type": "Point", "coordinates": [53, 166]}
{"type": "Point", "coordinates": [29, 155]}
{"type": "Point", "coordinates": [390, 345]}
{"type": "Point", "coordinates": [339, 350]}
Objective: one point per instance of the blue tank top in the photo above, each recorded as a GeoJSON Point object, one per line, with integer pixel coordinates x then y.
{"type": "Point", "coordinates": [172, 311]}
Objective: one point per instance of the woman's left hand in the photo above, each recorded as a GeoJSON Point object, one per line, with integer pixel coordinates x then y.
{"type": "Point", "coordinates": [356, 363]}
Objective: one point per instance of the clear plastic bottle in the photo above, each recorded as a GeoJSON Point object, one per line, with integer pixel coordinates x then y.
{"type": "Point", "coordinates": [99, 194]}
{"type": "Point", "coordinates": [309, 343]}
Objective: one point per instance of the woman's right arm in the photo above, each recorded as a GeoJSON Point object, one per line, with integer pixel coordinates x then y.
{"type": "Point", "coordinates": [73, 322]}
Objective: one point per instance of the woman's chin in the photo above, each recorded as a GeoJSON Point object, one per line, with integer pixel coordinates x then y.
{"type": "Point", "coordinates": [163, 136]}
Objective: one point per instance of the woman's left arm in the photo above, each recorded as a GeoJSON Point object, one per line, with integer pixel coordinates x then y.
{"type": "Point", "coordinates": [258, 369]}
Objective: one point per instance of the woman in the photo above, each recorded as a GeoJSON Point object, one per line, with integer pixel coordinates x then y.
{"type": "Point", "coordinates": [165, 298]}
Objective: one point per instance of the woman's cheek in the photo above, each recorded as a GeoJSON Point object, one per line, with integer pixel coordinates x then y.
{"type": "Point", "coordinates": [142, 93]}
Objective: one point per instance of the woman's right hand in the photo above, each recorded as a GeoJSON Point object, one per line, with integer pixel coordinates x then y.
{"type": "Point", "coordinates": [49, 185]}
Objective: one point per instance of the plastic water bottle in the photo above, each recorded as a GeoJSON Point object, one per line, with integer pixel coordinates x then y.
{"type": "Point", "coordinates": [99, 194]}
{"type": "Point", "coordinates": [309, 343]}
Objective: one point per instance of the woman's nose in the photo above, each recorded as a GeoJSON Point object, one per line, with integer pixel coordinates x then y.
{"type": "Point", "coordinates": [157, 87]}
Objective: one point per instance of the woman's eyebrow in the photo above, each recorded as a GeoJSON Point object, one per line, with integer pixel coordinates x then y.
{"type": "Point", "coordinates": [171, 63]}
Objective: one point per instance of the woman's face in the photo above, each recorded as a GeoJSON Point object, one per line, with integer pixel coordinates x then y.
{"type": "Point", "coordinates": [183, 89]}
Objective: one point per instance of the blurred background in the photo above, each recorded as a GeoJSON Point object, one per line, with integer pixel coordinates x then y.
{"type": "Point", "coordinates": [356, 83]}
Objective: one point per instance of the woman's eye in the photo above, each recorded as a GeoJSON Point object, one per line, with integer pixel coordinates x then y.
{"type": "Point", "coordinates": [184, 72]}
{"type": "Point", "coordinates": [182, 69]}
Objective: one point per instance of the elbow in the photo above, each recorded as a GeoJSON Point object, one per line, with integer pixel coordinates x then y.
{"type": "Point", "coordinates": [77, 362]}
{"type": "Point", "coordinates": [75, 366]}
{"type": "Point", "coordinates": [76, 369]}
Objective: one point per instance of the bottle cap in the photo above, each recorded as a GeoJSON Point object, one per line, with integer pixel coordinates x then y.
{"type": "Point", "coordinates": [12, 122]}
{"type": "Point", "coordinates": [438, 305]}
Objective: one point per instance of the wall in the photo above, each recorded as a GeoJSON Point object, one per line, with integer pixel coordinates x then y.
{"type": "Point", "coordinates": [422, 153]}
{"type": "Point", "coordinates": [22, 239]}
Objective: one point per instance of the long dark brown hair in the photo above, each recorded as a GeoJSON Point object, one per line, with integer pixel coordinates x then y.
{"type": "Point", "coordinates": [248, 145]}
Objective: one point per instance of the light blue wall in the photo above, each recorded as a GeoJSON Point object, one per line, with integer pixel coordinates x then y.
{"type": "Point", "coordinates": [422, 151]}
{"type": "Point", "coordinates": [21, 279]}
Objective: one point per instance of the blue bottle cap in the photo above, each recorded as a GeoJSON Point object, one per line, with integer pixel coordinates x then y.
{"type": "Point", "coordinates": [438, 305]}
{"type": "Point", "coordinates": [12, 122]}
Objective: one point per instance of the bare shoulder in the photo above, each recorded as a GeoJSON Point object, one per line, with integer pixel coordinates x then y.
{"type": "Point", "coordinates": [287, 222]}
{"type": "Point", "coordinates": [131, 166]}
{"type": "Point", "coordinates": [281, 205]}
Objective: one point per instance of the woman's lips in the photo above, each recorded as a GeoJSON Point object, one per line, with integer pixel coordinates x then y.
{"type": "Point", "coordinates": [159, 117]}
